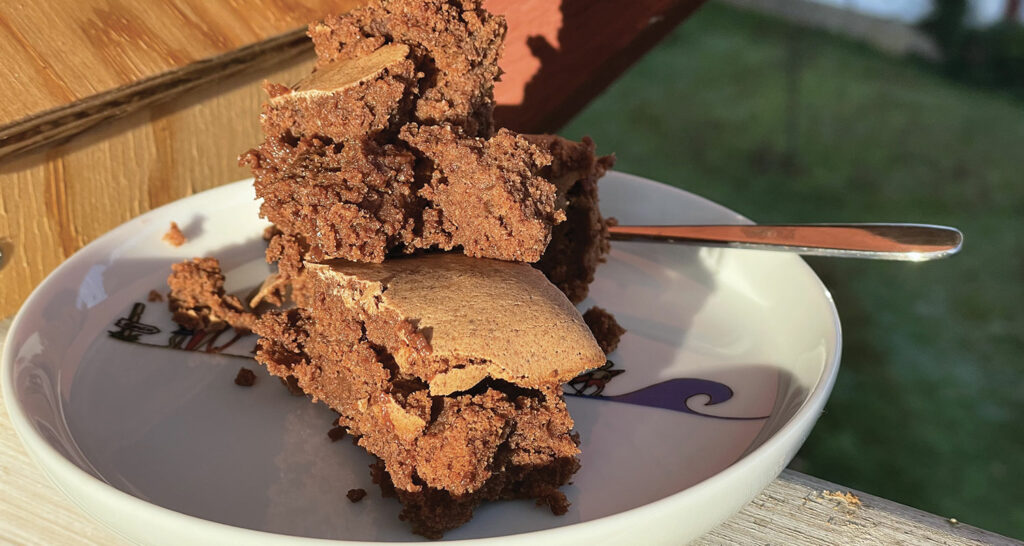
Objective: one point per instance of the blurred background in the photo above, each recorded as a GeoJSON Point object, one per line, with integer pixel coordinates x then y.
{"type": "Point", "coordinates": [869, 111]}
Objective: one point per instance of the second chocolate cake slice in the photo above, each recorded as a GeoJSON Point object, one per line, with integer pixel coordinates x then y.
{"type": "Point", "coordinates": [388, 148]}
{"type": "Point", "coordinates": [447, 368]}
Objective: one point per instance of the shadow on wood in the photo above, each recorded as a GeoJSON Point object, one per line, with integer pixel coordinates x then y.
{"type": "Point", "coordinates": [595, 41]}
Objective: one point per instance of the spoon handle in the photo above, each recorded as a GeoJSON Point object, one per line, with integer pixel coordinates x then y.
{"type": "Point", "coordinates": [908, 242]}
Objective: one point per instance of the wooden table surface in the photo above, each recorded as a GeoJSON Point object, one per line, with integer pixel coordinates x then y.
{"type": "Point", "coordinates": [794, 509]}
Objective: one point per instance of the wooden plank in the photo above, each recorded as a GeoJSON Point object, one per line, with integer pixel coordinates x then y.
{"type": "Point", "coordinates": [80, 63]}
{"type": "Point", "coordinates": [64, 51]}
{"type": "Point", "coordinates": [800, 509]}
{"type": "Point", "coordinates": [54, 126]}
{"type": "Point", "coordinates": [795, 509]}
{"type": "Point", "coordinates": [103, 59]}
{"type": "Point", "coordinates": [54, 201]}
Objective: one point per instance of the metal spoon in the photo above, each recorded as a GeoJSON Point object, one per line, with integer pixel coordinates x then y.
{"type": "Point", "coordinates": [907, 242]}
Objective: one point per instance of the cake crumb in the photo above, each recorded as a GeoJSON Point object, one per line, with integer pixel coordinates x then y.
{"type": "Point", "coordinates": [849, 498]}
{"type": "Point", "coordinates": [245, 377]}
{"type": "Point", "coordinates": [337, 433]}
{"type": "Point", "coordinates": [556, 501]}
{"type": "Point", "coordinates": [356, 495]}
{"type": "Point", "coordinates": [154, 296]}
{"type": "Point", "coordinates": [292, 384]}
{"type": "Point", "coordinates": [605, 328]}
{"type": "Point", "coordinates": [174, 236]}
{"type": "Point", "coordinates": [198, 300]}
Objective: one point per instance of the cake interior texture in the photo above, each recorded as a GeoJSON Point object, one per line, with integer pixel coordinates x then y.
{"type": "Point", "coordinates": [458, 396]}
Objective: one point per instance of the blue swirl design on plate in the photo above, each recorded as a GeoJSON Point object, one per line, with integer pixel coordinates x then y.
{"type": "Point", "coordinates": [673, 394]}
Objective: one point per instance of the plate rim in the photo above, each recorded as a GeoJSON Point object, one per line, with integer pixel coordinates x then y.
{"type": "Point", "coordinates": [53, 462]}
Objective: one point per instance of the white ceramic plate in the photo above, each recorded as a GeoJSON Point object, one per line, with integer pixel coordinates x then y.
{"type": "Point", "coordinates": [728, 361]}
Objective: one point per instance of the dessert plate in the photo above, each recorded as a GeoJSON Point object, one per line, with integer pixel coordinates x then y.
{"type": "Point", "coordinates": [727, 363]}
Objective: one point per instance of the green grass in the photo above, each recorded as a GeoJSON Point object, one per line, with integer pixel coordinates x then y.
{"type": "Point", "coordinates": [929, 405]}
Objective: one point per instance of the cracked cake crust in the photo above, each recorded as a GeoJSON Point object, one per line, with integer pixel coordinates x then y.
{"type": "Point", "coordinates": [492, 319]}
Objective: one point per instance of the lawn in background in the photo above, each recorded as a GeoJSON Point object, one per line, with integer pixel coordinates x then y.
{"type": "Point", "coordinates": [929, 405]}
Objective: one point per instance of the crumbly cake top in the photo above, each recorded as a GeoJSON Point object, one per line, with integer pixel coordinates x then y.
{"type": "Point", "coordinates": [481, 317]}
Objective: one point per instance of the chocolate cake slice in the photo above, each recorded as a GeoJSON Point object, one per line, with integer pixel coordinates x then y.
{"type": "Point", "coordinates": [448, 369]}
